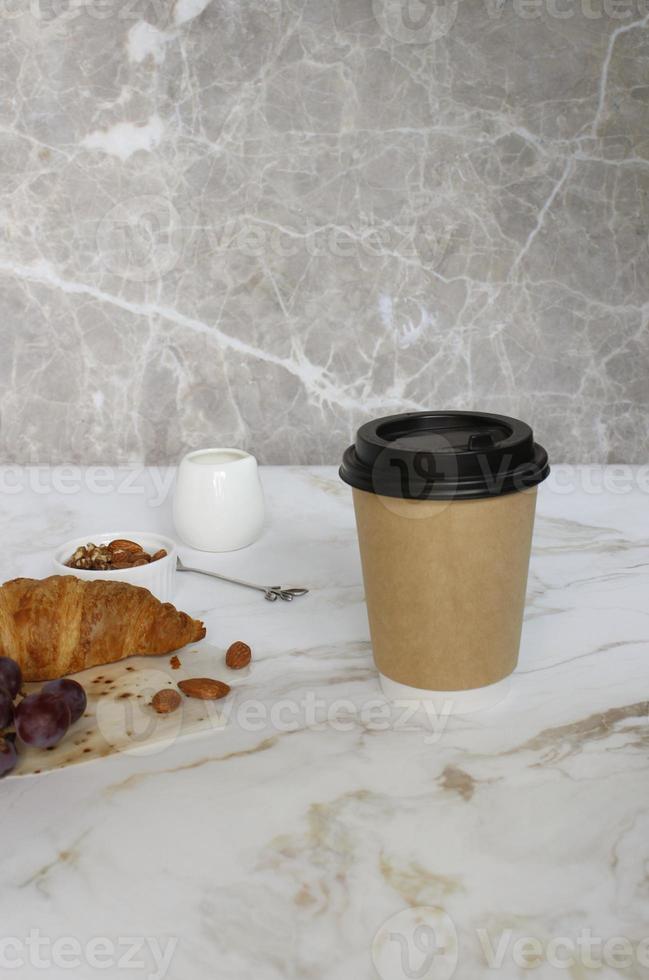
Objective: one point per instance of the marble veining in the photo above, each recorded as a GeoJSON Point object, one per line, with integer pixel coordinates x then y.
{"type": "Point", "coordinates": [278, 847]}
{"type": "Point", "coordinates": [258, 224]}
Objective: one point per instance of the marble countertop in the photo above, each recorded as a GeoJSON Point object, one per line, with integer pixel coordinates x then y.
{"type": "Point", "coordinates": [279, 846]}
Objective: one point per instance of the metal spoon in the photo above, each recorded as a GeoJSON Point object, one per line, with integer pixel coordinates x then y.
{"type": "Point", "coordinates": [271, 592]}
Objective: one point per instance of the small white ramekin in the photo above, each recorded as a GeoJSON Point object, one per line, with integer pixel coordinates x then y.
{"type": "Point", "coordinates": [159, 577]}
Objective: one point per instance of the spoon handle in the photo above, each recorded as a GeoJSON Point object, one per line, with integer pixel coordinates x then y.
{"type": "Point", "coordinates": [271, 592]}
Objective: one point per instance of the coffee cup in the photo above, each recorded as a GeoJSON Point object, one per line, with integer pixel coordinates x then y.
{"type": "Point", "coordinates": [445, 505]}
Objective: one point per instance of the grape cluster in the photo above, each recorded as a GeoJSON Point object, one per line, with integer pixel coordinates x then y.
{"type": "Point", "coordinates": [41, 719]}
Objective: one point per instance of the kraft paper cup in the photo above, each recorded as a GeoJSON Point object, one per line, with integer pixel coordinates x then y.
{"type": "Point", "coordinates": [445, 590]}
{"type": "Point", "coordinates": [445, 568]}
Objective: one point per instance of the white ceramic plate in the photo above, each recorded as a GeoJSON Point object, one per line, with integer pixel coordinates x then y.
{"type": "Point", "coordinates": [119, 717]}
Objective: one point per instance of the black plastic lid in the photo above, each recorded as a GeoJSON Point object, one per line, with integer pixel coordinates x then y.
{"type": "Point", "coordinates": [444, 456]}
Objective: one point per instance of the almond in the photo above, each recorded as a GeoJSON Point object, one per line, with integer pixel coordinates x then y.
{"type": "Point", "coordinates": [123, 544]}
{"type": "Point", "coordinates": [159, 554]}
{"type": "Point", "coordinates": [129, 557]}
{"type": "Point", "coordinates": [204, 688]}
{"type": "Point", "coordinates": [131, 561]}
{"type": "Point", "coordinates": [238, 656]}
{"type": "Point", "coordinates": [166, 701]}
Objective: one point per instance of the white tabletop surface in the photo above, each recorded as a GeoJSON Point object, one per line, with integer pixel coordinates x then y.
{"type": "Point", "coordinates": [278, 847]}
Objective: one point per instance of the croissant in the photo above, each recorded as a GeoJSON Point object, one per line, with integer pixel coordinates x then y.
{"type": "Point", "coordinates": [61, 624]}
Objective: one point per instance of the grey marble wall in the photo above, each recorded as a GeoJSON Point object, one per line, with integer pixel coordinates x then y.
{"type": "Point", "coordinates": [259, 223]}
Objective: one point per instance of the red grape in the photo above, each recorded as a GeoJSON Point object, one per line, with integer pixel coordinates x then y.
{"type": "Point", "coordinates": [10, 675]}
{"type": "Point", "coordinates": [72, 693]}
{"type": "Point", "coordinates": [42, 720]}
{"type": "Point", "coordinates": [6, 708]}
{"type": "Point", "coordinates": [8, 756]}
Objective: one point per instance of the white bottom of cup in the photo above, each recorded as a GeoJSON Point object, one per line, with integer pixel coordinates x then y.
{"type": "Point", "coordinates": [449, 702]}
